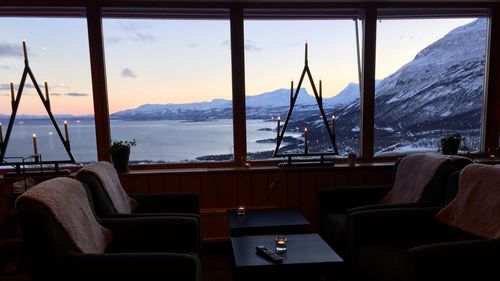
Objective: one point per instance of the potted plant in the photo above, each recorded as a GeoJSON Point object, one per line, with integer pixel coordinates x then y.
{"type": "Point", "coordinates": [120, 153]}
{"type": "Point", "coordinates": [450, 144]}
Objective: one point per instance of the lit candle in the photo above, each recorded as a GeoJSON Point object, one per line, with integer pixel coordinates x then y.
{"type": "Point", "coordinates": [12, 91]}
{"type": "Point", "coordinates": [35, 148]}
{"type": "Point", "coordinates": [240, 210]}
{"type": "Point", "coordinates": [291, 93]}
{"type": "Point", "coordinates": [333, 124]}
{"type": "Point", "coordinates": [281, 244]}
{"type": "Point", "coordinates": [47, 92]}
{"type": "Point", "coordinates": [25, 51]}
{"type": "Point", "coordinates": [1, 133]}
{"type": "Point", "coordinates": [66, 133]}
{"type": "Point", "coordinates": [278, 129]}
{"type": "Point", "coordinates": [306, 150]}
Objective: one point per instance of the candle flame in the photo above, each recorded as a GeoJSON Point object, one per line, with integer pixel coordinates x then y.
{"type": "Point", "coordinates": [65, 122]}
{"type": "Point", "coordinates": [305, 129]}
{"type": "Point", "coordinates": [279, 118]}
{"type": "Point", "coordinates": [34, 135]}
{"type": "Point", "coordinates": [333, 116]}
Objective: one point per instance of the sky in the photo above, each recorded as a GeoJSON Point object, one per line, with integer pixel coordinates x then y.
{"type": "Point", "coordinates": [180, 61]}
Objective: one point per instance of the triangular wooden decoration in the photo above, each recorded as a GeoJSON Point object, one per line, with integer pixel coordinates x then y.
{"type": "Point", "coordinates": [46, 103]}
{"type": "Point", "coordinates": [319, 101]}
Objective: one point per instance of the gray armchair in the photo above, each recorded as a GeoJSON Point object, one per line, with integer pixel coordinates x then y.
{"type": "Point", "coordinates": [166, 203]}
{"type": "Point", "coordinates": [148, 248]}
{"type": "Point", "coordinates": [337, 203]}
{"type": "Point", "coordinates": [411, 244]}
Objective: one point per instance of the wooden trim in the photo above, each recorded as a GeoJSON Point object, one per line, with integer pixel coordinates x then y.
{"type": "Point", "coordinates": [492, 90]}
{"type": "Point", "coordinates": [368, 84]}
{"type": "Point", "coordinates": [238, 80]}
{"type": "Point", "coordinates": [98, 70]}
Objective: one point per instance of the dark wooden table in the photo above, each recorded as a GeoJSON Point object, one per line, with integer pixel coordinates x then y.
{"type": "Point", "coordinates": [267, 221]}
{"type": "Point", "coordinates": [308, 258]}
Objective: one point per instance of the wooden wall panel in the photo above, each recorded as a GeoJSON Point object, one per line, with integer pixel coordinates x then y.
{"type": "Point", "coordinates": [221, 189]}
{"type": "Point", "coordinates": [209, 191]}
{"type": "Point", "coordinates": [156, 184]}
{"type": "Point", "coordinates": [244, 189]}
{"type": "Point", "coordinates": [228, 191]}
{"type": "Point", "coordinates": [172, 183]}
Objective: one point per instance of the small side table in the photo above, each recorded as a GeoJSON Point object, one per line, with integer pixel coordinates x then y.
{"type": "Point", "coordinates": [267, 221]}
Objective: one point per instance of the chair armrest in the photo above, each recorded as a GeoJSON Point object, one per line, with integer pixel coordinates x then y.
{"type": "Point", "coordinates": [392, 226]}
{"type": "Point", "coordinates": [126, 266]}
{"type": "Point", "coordinates": [154, 234]}
{"type": "Point", "coordinates": [340, 199]}
{"type": "Point", "coordinates": [141, 215]}
{"type": "Point", "coordinates": [459, 260]}
{"type": "Point", "coordinates": [167, 202]}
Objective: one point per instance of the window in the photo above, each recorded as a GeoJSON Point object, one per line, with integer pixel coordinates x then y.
{"type": "Point", "coordinates": [169, 84]}
{"type": "Point", "coordinates": [58, 53]}
{"type": "Point", "coordinates": [275, 56]}
{"type": "Point", "coordinates": [430, 73]}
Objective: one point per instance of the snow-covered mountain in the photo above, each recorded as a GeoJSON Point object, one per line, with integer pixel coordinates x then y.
{"type": "Point", "coordinates": [439, 91]}
{"type": "Point", "coordinates": [217, 108]}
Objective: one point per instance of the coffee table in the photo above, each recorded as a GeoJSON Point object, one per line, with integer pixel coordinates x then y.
{"type": "Point", "coordinates": [308, 255]}
{"type": "Point", "coordinates": [267, 221]}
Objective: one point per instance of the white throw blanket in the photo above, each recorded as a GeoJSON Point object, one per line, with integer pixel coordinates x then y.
{"type": "Point", "coordinates": [67, 200]}
{"type": "Point", "coordinates": [109, 179]}
{"type": "Point", "coordinates": [476, 208]}
{"type": "Point", "coordinates": [414, 174]}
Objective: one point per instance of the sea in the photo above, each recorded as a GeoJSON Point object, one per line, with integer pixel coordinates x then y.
{"type": "Point", "coordinates": [157, 141]}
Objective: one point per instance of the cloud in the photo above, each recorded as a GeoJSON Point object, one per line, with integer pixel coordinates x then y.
{"type": "Point", "coordinates": [192, 45]}
{"type": "Point", "coordinates": [9, 50]}
{"type": "Point", "coordinates": [76, 94]}
{"type": "Point", "coordinates": [4, 67]}
{"type": "Point", "coordinates": [251, 46]}
{"type": "Point", "coordinates": [143, 37]}
{"type": "Point", "coordinates": [128, 73]}
{"type": "Point", "coordinates": [113, 39]}
{"type": "Point", "coordinates": [6, 86]}
{"type": "Point", "coordinates": [55, 94]}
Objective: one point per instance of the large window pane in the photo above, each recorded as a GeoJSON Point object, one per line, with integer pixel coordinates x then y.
{"type": "Point", "coordinates": [431, 83]}
{"type": "Point", "coordinates": [58, 53]}
{"type": "Point", "coordinates": [169, 87]}
{"type": "Point", "coordinates": [274, 55]}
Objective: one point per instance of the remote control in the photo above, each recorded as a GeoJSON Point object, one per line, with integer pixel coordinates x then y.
{"type": "Point", "coordinates": [270, 255]}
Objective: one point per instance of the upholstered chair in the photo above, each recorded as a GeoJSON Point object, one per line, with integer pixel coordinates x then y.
{"type": "Point", "coordinates": [64, 240]}
{"type": "Point", "coordinates": [426, 173]}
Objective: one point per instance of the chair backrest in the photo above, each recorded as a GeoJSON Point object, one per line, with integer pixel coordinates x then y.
{"type": "Point", "coordinates": [435, 191]}
{"type": "Point", "coordinates": [101, 202]}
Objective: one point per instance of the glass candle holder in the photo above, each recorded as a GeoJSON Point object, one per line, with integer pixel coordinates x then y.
{"type": "Point", "coordinates": [240, 210]}
{"type": "Point", "coordinates": [281, 246]}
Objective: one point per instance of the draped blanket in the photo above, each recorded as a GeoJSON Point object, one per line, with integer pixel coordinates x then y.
{"type": "Point", "coordinates": [68, 202]}
{"type": "Point", "coordinates": [476, 208]}
{"type": "Point", "coordinates": [110, 181]}
{"type": "Point", "coordinates": [414, 174]}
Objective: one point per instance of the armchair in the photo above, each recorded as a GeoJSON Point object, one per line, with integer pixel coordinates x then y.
{"type": "Point", "coordinates": [148, 248]}
{"type": "Point", "coordinates": [416, 244]}
{"type": "Point", "coordinates": [337, 203]}
{"type": "Point", "coordinates": [95, 177]}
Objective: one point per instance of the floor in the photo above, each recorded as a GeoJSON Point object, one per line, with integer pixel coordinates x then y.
{"type": "Point", "coordinates": [216, 259]}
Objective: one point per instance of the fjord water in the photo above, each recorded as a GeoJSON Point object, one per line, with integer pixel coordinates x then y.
{"type": "Point", "coordinates": [162, 140]}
